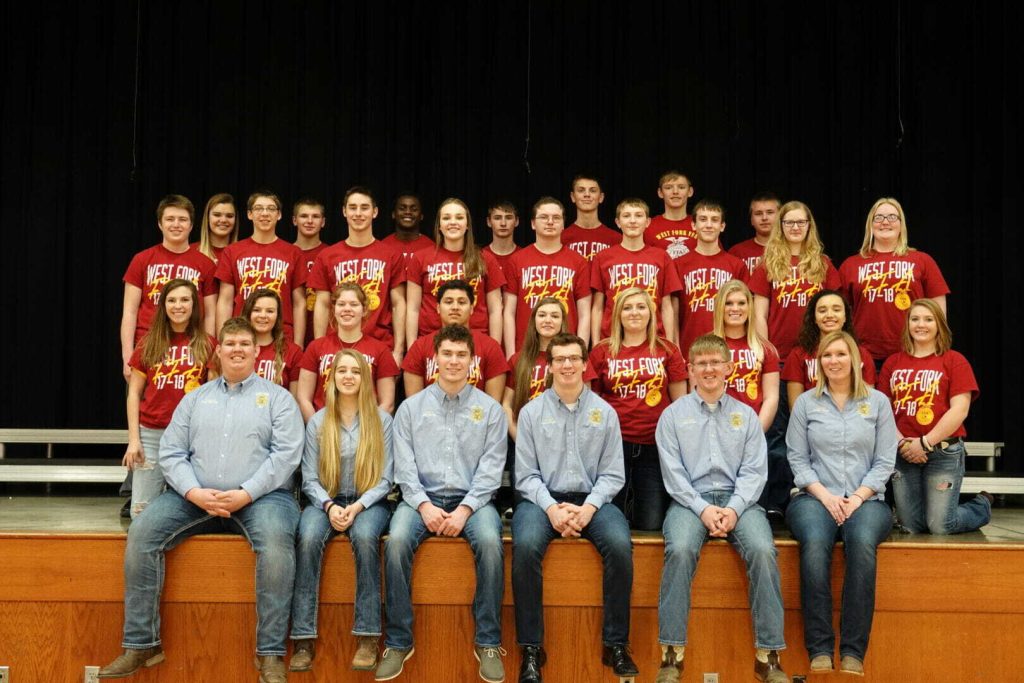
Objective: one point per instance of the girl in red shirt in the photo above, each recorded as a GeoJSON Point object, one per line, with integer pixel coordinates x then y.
{"type": "Point", "coordinates": [278, 358]}
{"type": "Point", "coordinates": [219, 227]}
{"type": "Point", "coordinates": [528, 378]}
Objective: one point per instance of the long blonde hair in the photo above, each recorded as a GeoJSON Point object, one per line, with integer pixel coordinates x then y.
{"type": "Point", "coordinates": [369, 460]}
{"type": "Point", "coordinates": [617, 333]}
{"type": "Point", "coordinates": [777, 256]}
{"type": "Point", "coordinates": [205, 241]}
{"type": "Point", "coordinates": [472, 262]}
{"type": "Point", "coordinates": [867, 247]}
{"type": "Point", "coordinates": [858, 389]}
{"type": "Point", "coordinates": [755, 341]}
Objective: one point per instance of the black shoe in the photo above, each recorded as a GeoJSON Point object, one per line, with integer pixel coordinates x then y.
{"type": "Point", "coordinates": [617, 657]}
{"type": "Point", "coordinates": [126, 509]}
{"type": "Point", "coordinates": [533, 659]}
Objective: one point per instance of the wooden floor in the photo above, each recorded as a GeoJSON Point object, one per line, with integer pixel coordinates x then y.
{"type": "Point", "coordinates": [947, 609]}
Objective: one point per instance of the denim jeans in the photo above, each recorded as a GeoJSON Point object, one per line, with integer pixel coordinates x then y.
{"type": "Point", "coordinates": [314, 531]}
{"type": "Point", "coordinates": [531, 534]}
{"type": "Point", "coordinates": [928, 496]}
{"type": "Point", "coordinates": [643, 498]}
{"type": "Point", "coordinates": [752, 537]}
{"type": "Point", "coordinates": [780, 477]}
{"type": "Point", "coordinates": [147, 477]}
{"type": "Point", "coordinates": [817, 532]}
{"type": "Point", "coordinates": [268, 523]}
{"type": "Point", "coordinates": [483, 531]}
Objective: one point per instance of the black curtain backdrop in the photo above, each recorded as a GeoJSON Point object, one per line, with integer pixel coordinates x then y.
{"type": "Point", "coordinates": [107, 106]}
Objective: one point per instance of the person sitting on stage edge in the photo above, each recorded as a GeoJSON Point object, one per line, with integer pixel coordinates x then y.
{"type": "Point", "coordinates": [228, 455]}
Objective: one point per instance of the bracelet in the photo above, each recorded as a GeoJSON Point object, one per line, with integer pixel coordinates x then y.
{"type": "Point", "coordinates": [328, 505]}
{"type": "Point", "coordinates": [925, 445]}
{"type": "Point", "coordinates": [858, 496]}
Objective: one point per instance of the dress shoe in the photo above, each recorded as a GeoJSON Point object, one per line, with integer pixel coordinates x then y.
{"type": "Point", "coordinates": [617, 657]}
{"type": "Point", "coordinates": [302, 655]}
{"type": "Point", "coordinates": [365, 658]}
{"type": "Point", "coordinates": [272, 669]}
{"type": "Point", "coordinates": [131, 661]}
{"type": "Point", "coordinates": [529, 668]}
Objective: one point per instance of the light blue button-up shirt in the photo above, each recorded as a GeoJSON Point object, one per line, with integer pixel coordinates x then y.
{"type": "Point", "coordinates": [449, 446]}
{"type": "Point", "coordinates": [569, 451]}
{"type": "Point", "coordinates": [311, 486]}
{"type": "Point", "coordinates": [712, 448]}
{"type": "Point", "coordinates": [248, 436]}
{"type": "Point", "coordinates": [842, 449]}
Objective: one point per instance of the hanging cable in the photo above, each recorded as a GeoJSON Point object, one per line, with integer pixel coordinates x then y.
{"type": "Point", "coordinates": [135, 102]}
{"type": "Point", "coordinates": [529, 40]}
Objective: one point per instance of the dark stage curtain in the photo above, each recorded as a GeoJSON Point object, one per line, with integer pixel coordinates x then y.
{"type": "Point", "coordinates": [107, 106]}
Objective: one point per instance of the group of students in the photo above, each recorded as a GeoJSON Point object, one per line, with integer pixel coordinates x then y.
{"type": "Point", "coordinates": [571, 347]}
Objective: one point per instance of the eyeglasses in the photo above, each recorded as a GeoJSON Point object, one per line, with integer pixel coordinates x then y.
{"type": "Point", "coordinates": [264, 209]}
{"type": "Point", "coordinates": [796, 224]}
{"type": "Point", "coordinates": [880, 218]}
{"type": "Point", "coordinates": [563, 360]}
{"type": "Point", "coordinates": [708, 364]}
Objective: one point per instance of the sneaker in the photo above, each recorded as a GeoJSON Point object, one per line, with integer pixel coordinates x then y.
{"type": "Point", "coordinates": [492, 669]}
{"type": "Point", "coordinates": [851, 665]}
{"type": "Point", "coordinates": [365, 658]}
{"type": "Point", "coordinates": [671, 664]}
{"type": "Point", "coordinates": [392, 662]}
{"type": "Point", "coordinates": [821, 664]}
{"type": "Point", "coordinates": [302, 655]}
{"type": "Point", "coordinates": [271, 668]}
{"type": "Point", "coordinates": [770, 671]}
{"type": "Point", "coordinates": [131, 661]}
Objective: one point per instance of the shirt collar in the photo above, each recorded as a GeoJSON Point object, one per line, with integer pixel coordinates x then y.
{"type": "Point", "coordinates": [239, 386]}
{"type": "Point", "coordinates": [440, 396]}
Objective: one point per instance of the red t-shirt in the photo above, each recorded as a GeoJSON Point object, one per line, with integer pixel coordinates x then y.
{"type": "Point", "coordinates": [292, 359]}
{"type": "Point", "coordinates": [588, 242]}
{"type": "Point", "coordinates": [635, 383]}
{"type": "Point", "coordinates": [803, 367]}
{"type": "Point", "coordinates": [881, 287]}
{"type": "Point", "coordinates": [787, 301]}
{"type": "Point", "coordinates": [153, 268]}
{"type": "Point", "coordinates": [407, 249]}
{"type": "Point", "coordinates": [701, 277]}
{"type": "Point", "coordinates": [538, 376]}
{"type": "Point", "coordinates": [675, 237]}
{"type": "Point", "coordinates": [319, 356]}
{"type": "Point", "coordinates": [488, 360]}
{"type": "Point", "coordinates": [502, 259]}
{"type": "Point", "coordinates": [744, 384]}
{"type": "Point", "coordinates": [750, 252]}
{"type": "Point", "coordinates": [167, 383]}
{"type": "Point", "coordinates": [308, 259]}
{"type": "Point", "coordinates": [249, 265]}
{"type": "Point", "coordinates": [616, 269]}
{"type": "Point", "coordinates": [376, 268]}
{"type": "Point", "coordinates": [431, 268]}
{"type": "Point", "coordinates": [533, 275]}
{"type": "Point", "coordinates": [920, 389]}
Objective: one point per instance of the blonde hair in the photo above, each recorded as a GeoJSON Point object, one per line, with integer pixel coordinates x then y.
{"type": "Point", "coordinates": [867, 247]}
{"type": "Point", "coordinates": [943, 335]}
{"type": "Point", "coordinates": [369, 460]}
{"type": "Point", "coordinates": [614, 342]}
{"type": "Point", "coordinates": [472, 261]}
{"type": "Point", "coordinates": [205, 241]}
{"type": "Point", "coordinates": [157, 340]}
{"type": "Point", "coordinates": [755, 341]}
{"type": "Point", "coordinates": [777, 256]}
{"type": "Point", "coordinates": [858, 388]}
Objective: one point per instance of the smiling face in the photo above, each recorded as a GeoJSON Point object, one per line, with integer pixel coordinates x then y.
{"type": "Point", "coordinates": [548, 320]}
{"type": "Point", "coordinates": [309, 220]}
{"type": "Point", "coordinates": [886, 226]}
{"type": "Point", "coordinates": [237, 356]}
{"type": "Point", "coordinates": [632, 220]}
{"type": "Point", "coordinates": [453, 360]}
{"type": "Point", "coordinates": [586, 195]}
{"type": "Point", "coordinates": [264, 214]}
{"type": "Point", "coordinates": [836, 364]}
{"type": "Point", "coordinates": [567, 365]}
{"type": "Point", "coordinates": [736, 311]}
{"type": "Point", "coordinates": [175, 225]}
{"type": "Point", "coordinates": [675, 191]}
{"type": "Point", "coordinates": [454, 307]}
{"type": "Point", "coordinates": [264, 315]}
{"type": "Point", "coordinates": [347, 375]}
{"type": "Point", "coordinates": [923, 327]}
{"type": "Point", "coordinates": [708, 372]}
{"type": "Point", "coordinates": [359, 211]}
{"type": "Point", "coordinates": [178, 305]}
{"type": "Point", "coordinates": [222, 219]}
{"type": "Point", "coordinates": [407, 214]}
{"type": "Point", "coordinates": [348, 311]}
{"type": "Point", "coordinates": [636, 314]}
{"type": "Point", "coordinates": [453, 223]}
{"type": "Point", "coordinates": [830, 313]}
{"type": "Point", "coordinates": [709, 225]}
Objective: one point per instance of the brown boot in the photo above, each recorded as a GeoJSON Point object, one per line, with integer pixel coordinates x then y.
{"type": "Point", "coordinates": [272, 669]}
{"type": "Point", "coordinates": [365, 658]}
{"type": "Point", "coordinates": [671, 664]}
{"type": "Point", "coordinates": [131, 661]}
{"type": "Point", "coordinates": [303, 652]}
{"type": "Point", "coordinates": [770, 671]}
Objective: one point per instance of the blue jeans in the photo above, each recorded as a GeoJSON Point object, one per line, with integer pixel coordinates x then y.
{"type": "Point", "coordinates": [314, 531]}
{"type": "Point", "coordinates": [643, 498]}
{"type": "Point", "coordinates": [147, 477]}
{"type": "Point", "coordinates": [531, 534]}
{"type": "Point", "coordinates": [817, 533]}
{"type": "Point", "coordinates": [752, 537]}
{"type": "Point", "coordinates": [268, 524]}
{"type": "Point", "coordinates": [483, 531]}
{"type": "Point", "coordinates": [928, 496]}
{"type": "Point", "coordinates": [780, 477]}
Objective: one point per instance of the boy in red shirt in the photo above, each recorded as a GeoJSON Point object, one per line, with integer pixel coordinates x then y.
{"type": "Point", "coordinates": [588, 235]}
{"type": "Point", "coordinates": [309, 219]}
{"type": "Point", "coordinates": [673, 230]}
{"type": "Point", "coordinates": [764, 207]}
{"type": "Point", "coordinates": [502, 219]}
